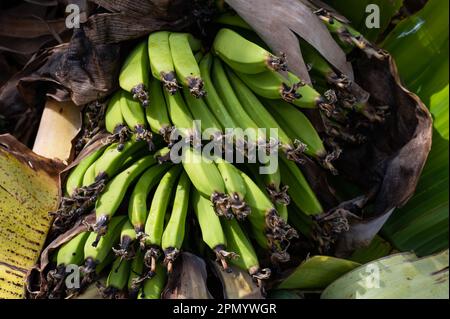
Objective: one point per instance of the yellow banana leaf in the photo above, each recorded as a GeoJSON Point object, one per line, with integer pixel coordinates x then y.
{"type": "Point", "coordinates": [28, 191]}
{"type": "Point", "coordinates": [401, 276]}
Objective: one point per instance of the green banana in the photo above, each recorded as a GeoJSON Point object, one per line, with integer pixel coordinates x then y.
{"type": "Point", "coordinates": [235, 187]}
{"type": "Point", "coordinates": [299, 189]}
{"type": "Point", "coordinates": [213, 100]}
{"type": "Point", "coordinates": [112, 159]}
{"type": "Point", "coordinates": [114, 121]}
{"type": "Point", "coordinates": [72, 252]}
{"type": "Point", "coordinates": [232, 19]}
{"type": "Point", "coordinates": [206, 178]}
{"type": "Point", "coordinates": [212, 232]}
{"type": "Point", "coordinates": [137, 207]}
{"type": "Point", "coordinates": [201, 112]}
{"type": "Point", "coordinates": [349, 36]}
{"type": "Point", "coordinates": [264, 219]}
{"type": "Point", "coordinates": [157, 113]}
{"type": "Point", "coordinates": [134, 75]}
{"type": "Point", "coordinates": [89, 175]}
{"type": "Point", "coordinates": [299, 126]}
{"type": "Point", "coordinates": [245, 56]}
{"type": "Point", "coordinates": [238, 242]}
{"type": "Point", "coordinates": [117, 280]}
{"type": "Point", "coordinates": [182, 46]}
{"type": "Point", "coordinates": [161, 61]}
{"type": "Point", "coordinates": [262, 117]}
{"type": "Point", "coordinates": [154, 286]}
{"type": "Point", "coordinates": [174, 232]}
{"type": "Point", "coordinates": [75, 179]}
{"type": "Point", "coordinates": [180, 115]}
{"type": "Point", "coordinates": [154, 225]}
{"type": "Point", "coordinates": [136, 273]}
{"type": "Point", "coordinates": [95, 255]}
{"type": "Point", "coordinates": [198, 56]}
{"type": "Point", "coordinates": [134, 116]}
{"type": "Point", "coordinates": [109, 201]}
{"type": "Point", "coordinates": [128, 238]}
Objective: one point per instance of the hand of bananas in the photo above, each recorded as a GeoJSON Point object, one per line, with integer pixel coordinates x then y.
{"type": "Point", "coordinates": [147, 206]}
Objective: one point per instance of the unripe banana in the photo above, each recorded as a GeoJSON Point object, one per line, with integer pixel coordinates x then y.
{"type": "Point", "coordinates": [128, 238]}
{"type": "Point", "coordinates": [89, 175]}
{"type": "Point", "coordinates": [173, 235]}
{"type": "Point", "coordinates": [154, 286]}
{"type": "Point", "coordinates": [233, 19]}
{"type": "Point", "coordinates": [245, 56]}
{"type": "Point", "coordinates": [182, 46]}
{"type": "Point", "coordinates": [212, 232]}
{"type": "Point", "coordinates": [154, 225]}
{"type": "Point", "coordinates": [75, 179]}
{"type": "Point", "coordinates": [117, 279]}
{"type": "Point", "coordinates": [179, 114]}
{"type": "Point", "coordinates": [213, 100]}
{"type": "Point", "coordinates": [298, 126]}
{"type": "Point", "coordinates": [112, 159]}
{"type": "Point", "coordinates": [72, 252]}
{"type": "Point", "coordinates": [134, 116]}
{"type": "Point", "coordinates": [198, 56]}
{"type": "Point", "coordinates": [206, 178]}
{"type": "Point", "coordinates": [137, 207]}
{"type": "Point", "coordinates": [109, 201]}
{"type": "Point", "coordinates": [235, 187]}
{"type": "Point", "coordinates": [134, 75]}
{"type": "Point", "coordinates": [161, 61]}
{"type": "Point", "coordinates": [201, 112]}
{"type": "Point", "coordinates": [262, 117]}
{"type": "Point", "coordinates": [157, 113]}
{"type": "Point", "coordinates": [299, 189]}
{"type": "Point", "coordinates": [136, 272]}
{"type": "Point", "coordinates": [238, 242]}
{"type": "Point", "coordinates": [95, 255]}
{"type": "Point", "coordinates": [266, 220]}
{"type": "Point", "coordinates": [114, 121]}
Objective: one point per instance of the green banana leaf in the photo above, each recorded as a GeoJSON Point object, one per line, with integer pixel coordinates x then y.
{"type": "Point", "coordinates": [377, 249]}
{"type": "Point", "coordinates": [420, 47]}
{"type": "Point", "coordinates": [317, 273]}
{"type": "Point", "coordinates": [355, 11]}
{"type": "Point", "coordinates": [401, 276]}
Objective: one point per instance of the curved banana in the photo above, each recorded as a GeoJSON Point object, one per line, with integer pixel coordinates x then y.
{"type": "Point", "coordinates": [245, 56]}
{"type": "Point", "coordinates": [212, 232]}
{"type": "Point", "coordinates": [174, 232]}
{"type": "Point", "coordinates": [161, 61]}
{"type": "Point", "coordinates": [179, 114]}
{"type": "Point", "coordinates": [89, 175]}
{"type": "Point", "coordinates": [182, 46]}
{"type": "Point", "coordinates": [117, 280]}
{"type": "Point", "coordinates": [134, 116]}
{"type": "Point", "coordinates": [154, 225]}
{"type": "Point", "coordinates": [238, 242]}
{"type": "Point", "coordinates": [262, 117]}
{"type": "Point", "coordinates": [95, 255]}
{"type": "Point", "coordinates": [235, 187]}
{"type": "Point", "coordinates": [109, 201]}
{"type": "Point", "coordinates": [128, 238]}
{"type": "Point", "coordinates": [266, 220]}
{"type": "Point", "coordinates": [201, 112]}
{"type": "Point", "coordinates": [114, 121]}
{"type": "Point", "coordinates": [206, 178]}
{"type": "Point", "coordinates": [213, 100]}
{"type": "Point", "coordinates": [112, 159]}
{"type": "Point", "coordinates": [76, 176]}
{"type": "Point", "coordinates": [299, 189]}
{"type": "Point", "coordinates": [134, 75]}
{"type": "Point", "coordinates": [137, 207]}
{"type": "Point", "coordinates": [156, 113]}
{"type": "Point", "coordinates": [136, 272]}
{"type": "Point", "coordinates": [298, 126]}
{"type": "Point", "coordinates": [154, 286]}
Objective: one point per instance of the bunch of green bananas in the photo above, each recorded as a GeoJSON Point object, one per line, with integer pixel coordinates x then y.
{"type": "Point", "coordinates": [145, 203]}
